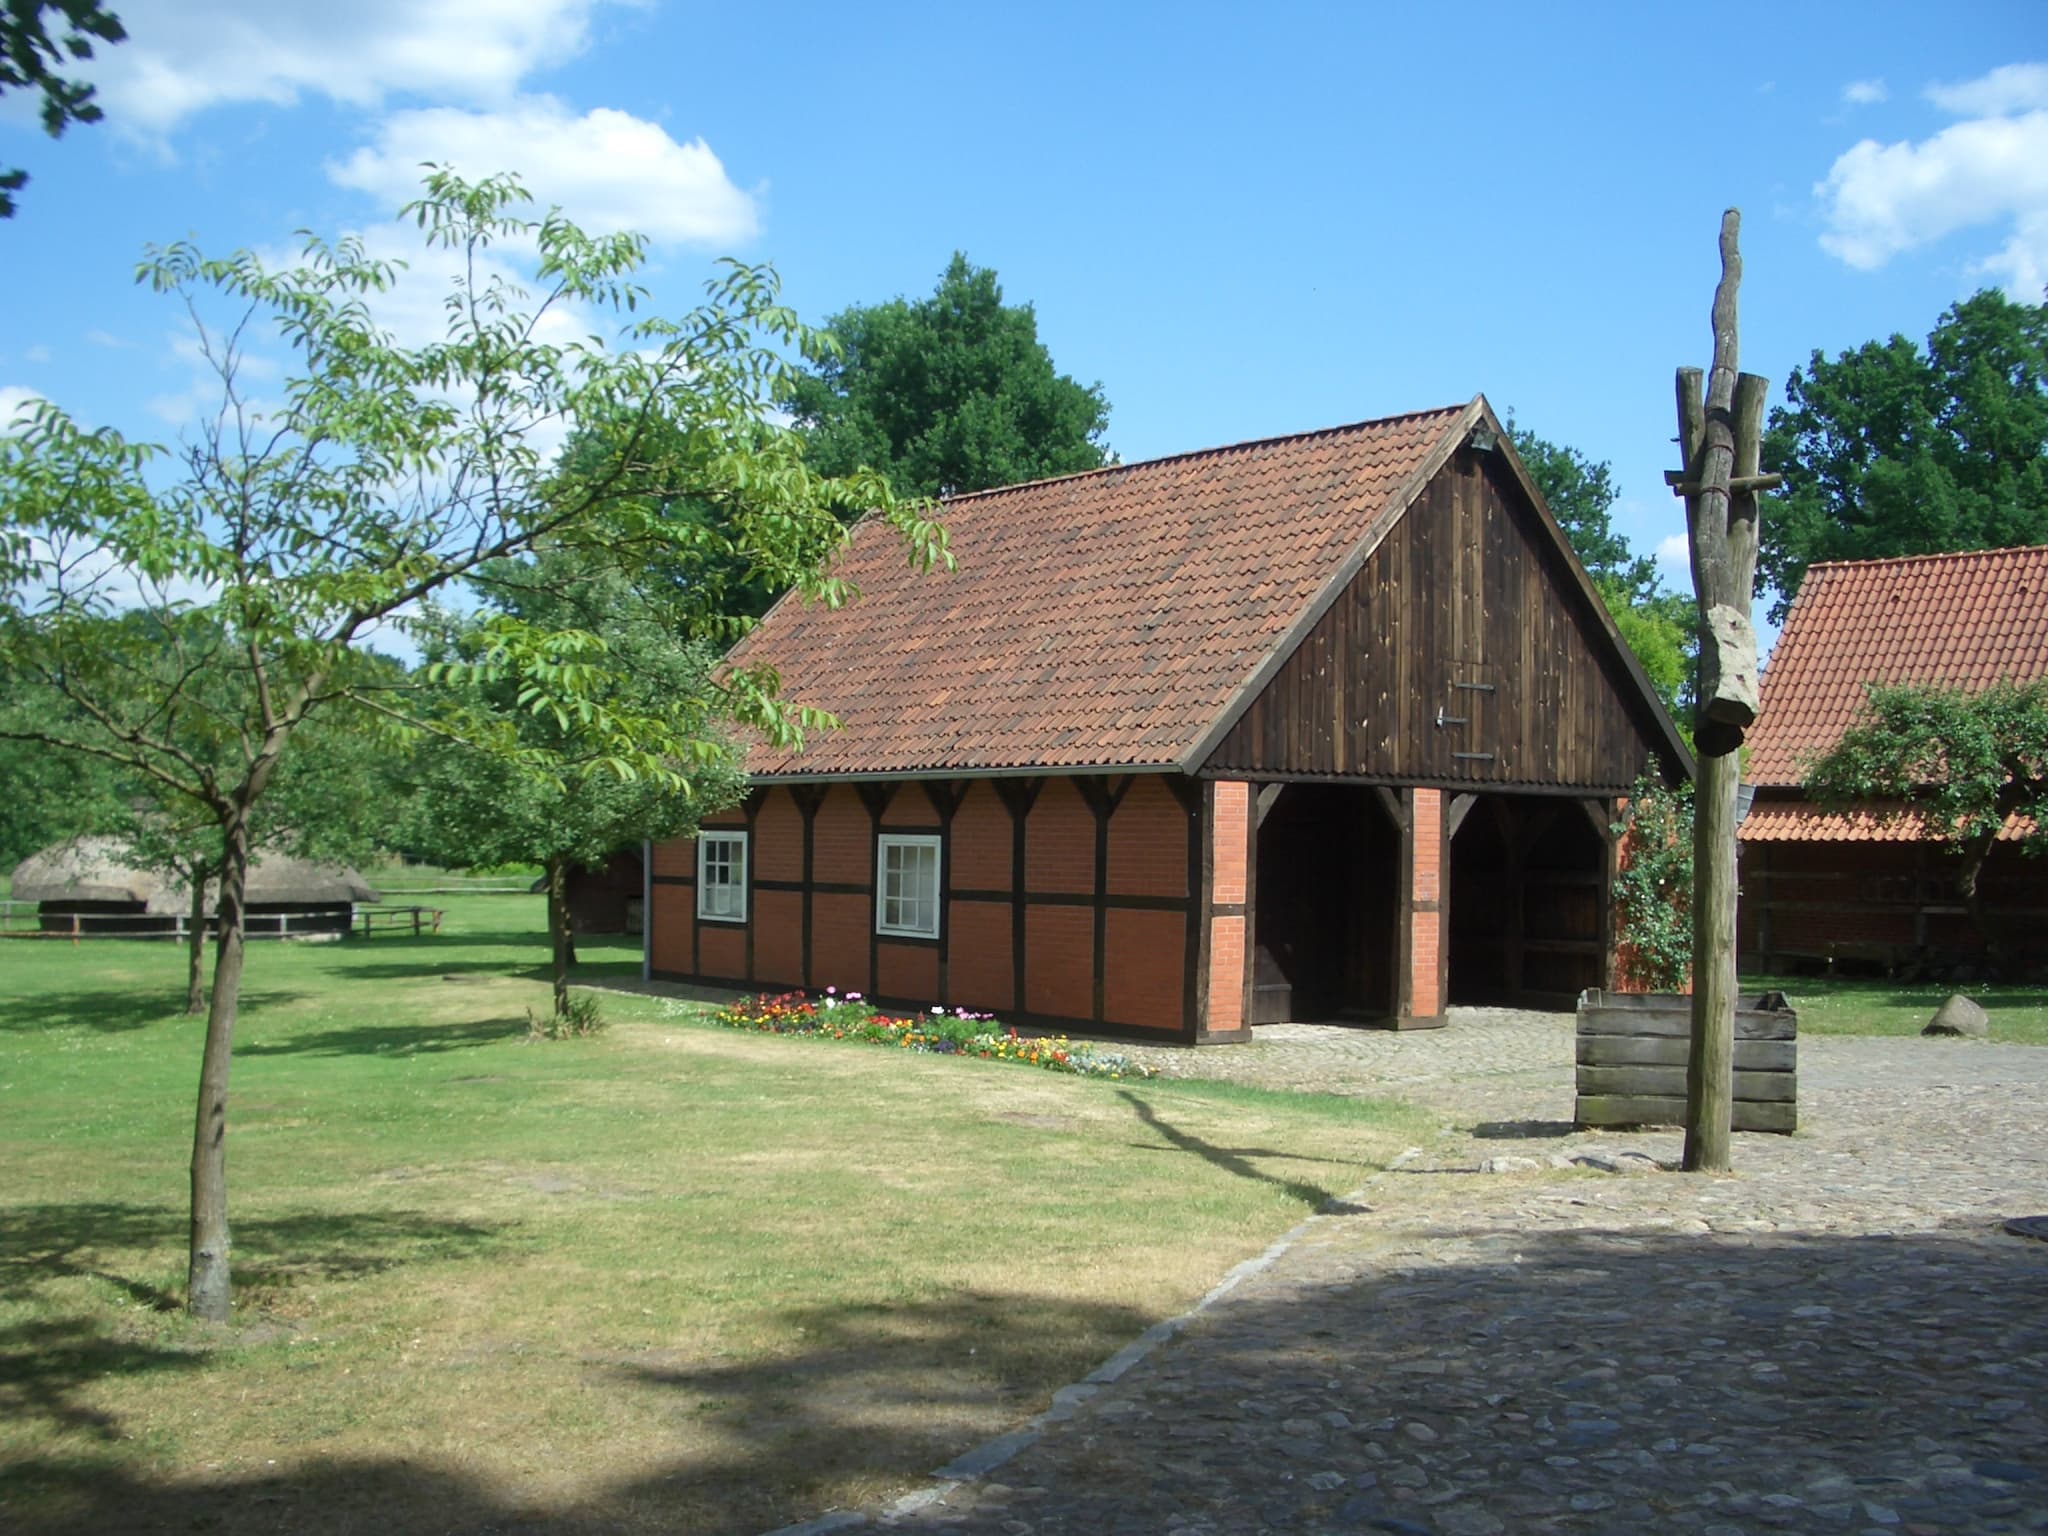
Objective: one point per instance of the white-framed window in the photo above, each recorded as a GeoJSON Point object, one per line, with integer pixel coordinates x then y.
{"type": "Point", "coordinates": [907, 885]}
{"type": "Point", "coordinates": [722, 876]}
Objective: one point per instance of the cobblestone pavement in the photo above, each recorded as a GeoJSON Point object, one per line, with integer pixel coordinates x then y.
{"type": "Point", "coordinates": [1521, 1328]}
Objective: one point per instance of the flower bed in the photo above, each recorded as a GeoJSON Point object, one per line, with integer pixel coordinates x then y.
{"type": "Point", "coordinates": [936, 1032]}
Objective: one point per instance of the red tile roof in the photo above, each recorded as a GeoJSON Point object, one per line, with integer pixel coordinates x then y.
{"type": "Point", "coordinates": [1795, 821]}
{"type": "Point", "coordinates": [1102, 620]}
{"type": "Point", "coordinates": [1964, 620]}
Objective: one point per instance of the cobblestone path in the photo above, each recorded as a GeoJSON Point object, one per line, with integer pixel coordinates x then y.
{"type": "Point", "coordinates": [1838, 1338]}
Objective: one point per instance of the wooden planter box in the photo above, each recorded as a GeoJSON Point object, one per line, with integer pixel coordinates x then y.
{"type": "Point", "coordinates": [1632, 1050]}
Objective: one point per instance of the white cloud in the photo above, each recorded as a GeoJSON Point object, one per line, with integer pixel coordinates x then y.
{"type": "Point", "coordinates": [1864, 93]}
{"type": "Point", "coordinates": [184, 56]}
{"type": "Point", "coordinates": [36, 354]}
{"type": "Point", "coordinates": [2009, 88]}
{"type": "Point", "coordinates": [1674, 556]}
{"type": "Point", "coordinates": [607, 169]}
{"type": "Point", "coordinates": [1880, 200]}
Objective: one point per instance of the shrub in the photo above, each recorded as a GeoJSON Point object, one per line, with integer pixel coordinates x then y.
{"type": "Point", "coordinates": [932, 1032]}
{"type": "Point", "coordinates": [581, 1016]}
{"type": "Point", "coordinates": [1653, 889]}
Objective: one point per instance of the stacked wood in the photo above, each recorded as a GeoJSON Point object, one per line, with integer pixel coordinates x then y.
{"type": "Point", "coordinates": [1633, 1049]}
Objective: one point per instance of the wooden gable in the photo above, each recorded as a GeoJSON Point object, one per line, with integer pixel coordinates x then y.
{"type": "Point", "coordinates": [1466, 650]}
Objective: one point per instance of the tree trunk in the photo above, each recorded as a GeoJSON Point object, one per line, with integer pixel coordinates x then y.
{"type": "Point", "coordinates": [207, 1282]}
{"type": "Point", "coordinates": [195, 942]}
{"type": "Point", "coordinates": [559, 937]}
{"type": "Point", "coordinates": [1969, 886]}
{"type": "Point", "coordinates": [1710, 1068]}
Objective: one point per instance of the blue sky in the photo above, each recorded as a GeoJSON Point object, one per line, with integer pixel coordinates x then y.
{"type": "Point", "coordinates": [1242, 220]}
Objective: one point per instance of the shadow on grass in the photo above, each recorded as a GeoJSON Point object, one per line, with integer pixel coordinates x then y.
{"type": "Point", "coordinates": [1236, 1161]}
{"type": "Point", "coordinates": [426, 943]}
{"type": "Point", "coordinates": [115, 1012]}
{"type": "Point", "coordinates": [50, 1365]}
{"type": "Point", "coordinates": [876, 1396]}
{"type": "Point", "coordinates": [390, 1039]}
{"type": "Point", "coordinates": [40, 1243]}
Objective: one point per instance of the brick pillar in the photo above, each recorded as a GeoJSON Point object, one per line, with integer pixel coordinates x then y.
{"type": "Point", "coordinates": [1428, 958]}
{"type": "Point", "coordinates": [1229, 837]}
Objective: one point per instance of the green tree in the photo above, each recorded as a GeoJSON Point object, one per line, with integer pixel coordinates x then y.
{"type": "Point", "coordinates": [288, 532]}
{"type": "Point", "coordinates": [50, 796]}
{"type": "Point", "coordinates": [558, 803]}
{"type": "Point", "coordinates": [1960, 764]}
{"type": "Point", "coordinates": [1657, 625]}
{"type": "Point", "coordinates": [1890, 449]}
{"type": "Point", "coordinates": [948, 394]}
{"type": "Point", "coordinates": [30, 57]}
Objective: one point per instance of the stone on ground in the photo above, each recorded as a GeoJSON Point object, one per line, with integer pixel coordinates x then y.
{"type": "Point", "coordinates": [1959, 1016]}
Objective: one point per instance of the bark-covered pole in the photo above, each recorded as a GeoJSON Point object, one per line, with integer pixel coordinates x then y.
{"type": "Point", "coordinates": [208, 1279]}
{"type": "Point", "coordinates": [1720, 431]}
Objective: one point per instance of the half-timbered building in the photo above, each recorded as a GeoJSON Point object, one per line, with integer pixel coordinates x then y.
{"type": "Point", "coordinates": [1324, 727]}
{"type": "Point", "coordinates": [1868, 889]}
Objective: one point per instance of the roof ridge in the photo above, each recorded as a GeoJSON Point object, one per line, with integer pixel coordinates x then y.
{"type": "Point", "coordinates": [1203, 453]}
{"type": "Point", "coordinates": [1940, 554]}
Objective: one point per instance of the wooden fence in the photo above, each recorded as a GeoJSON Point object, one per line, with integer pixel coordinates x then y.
{"type": "Point", "coordinates": [26, 920]}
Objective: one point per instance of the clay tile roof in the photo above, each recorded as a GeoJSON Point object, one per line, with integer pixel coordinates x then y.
{"type": "Point", "coordinates": [1964, 620]}
{"type": "Point", "coordinates": [1099, 620]}
{"type": "Point", "coordinates": [1794, 821]}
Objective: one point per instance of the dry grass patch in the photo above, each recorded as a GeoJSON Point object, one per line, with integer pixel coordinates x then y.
{"type": "Point", "coordinates": [668, 1278]}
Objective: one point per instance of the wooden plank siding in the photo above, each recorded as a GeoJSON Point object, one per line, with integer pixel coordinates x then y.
{"type": "Point", "coordinates": [1466, 608]}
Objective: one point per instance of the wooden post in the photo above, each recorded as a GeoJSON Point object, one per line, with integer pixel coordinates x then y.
{"type": "Point", "coordinates": [1721, 435]}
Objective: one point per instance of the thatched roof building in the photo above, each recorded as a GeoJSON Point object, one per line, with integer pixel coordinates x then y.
{"type": "Point", "coordinates": [94, 876]}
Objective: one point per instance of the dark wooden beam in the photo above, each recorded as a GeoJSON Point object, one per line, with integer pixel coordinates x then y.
{"type": "Point", "coordinates": [1461, 807]}
{"type": "Point", "coordinates": [1394, 803]}
{"type": "Point", "coordinates": [1268, 794]}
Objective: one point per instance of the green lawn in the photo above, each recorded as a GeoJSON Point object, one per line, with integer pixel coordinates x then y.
{"type": "Point", "coordinates": [1839, 1006]}
{"type": "Point", "coordinates": [667, 1278]}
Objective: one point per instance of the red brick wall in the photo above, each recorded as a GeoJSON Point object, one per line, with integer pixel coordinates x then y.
{"type": "Point", "coordinates": [1059, 961]}
{"type": "Point", "coordinates": [842, 848]}
{"type": "Point", "coordinates": [1228, 841]}
{"type": "Point", "coordinates": [978, 959]}
{"type": "Point", "coordinates": [778, 938]}
{"type": "Point", "coordinates": [1148, 842]}
{"type": "Point", "coordinates": [731, 816]}
{"type": "Point", "coordinates": [1059, 842]}
{"type": "Point", "coordinates": [1228, 835]}
{"type": "Point", "coordinates": [668, 930]}
{"type": "Point", "coordinates": [779, 838]}
{"type": "Point", "coordinates": [1143, 959]}
{"type": "Point", "coordinates": [1226, 974]}
{"type": "Point", "coordinates": [722, 951]}
{"type": "Point", "coordinates": [1425, 960]}
{"type": "Point", "coordinates": [980, 847]}
{"type": "Point", "coordinates": [839, 943]}
{"type": "Point", "coordinates": [908, 971]}
{"type": "Point", "coordinates": [677, 856]}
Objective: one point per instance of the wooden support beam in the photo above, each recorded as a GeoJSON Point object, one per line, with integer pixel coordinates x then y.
{"type": "Point", "coordinates": [1461, 807]}
{"type": "Point", "coordinates": [1602, 819]}
{"type": "Point", "coordinates": [1394, 804]}
{"type": "Point", "coordinates": [1750, 484]}
{"type": "Point", "coordinates": [1268, 795]}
